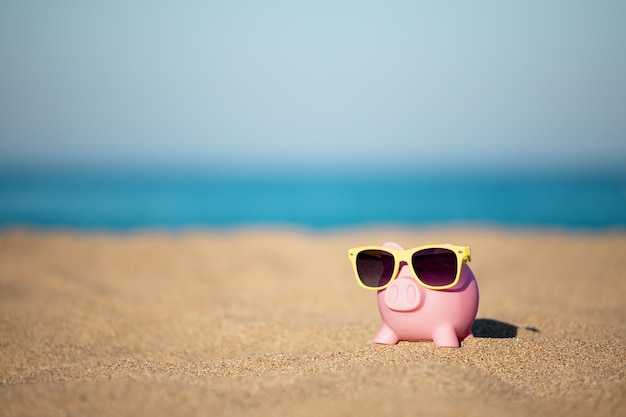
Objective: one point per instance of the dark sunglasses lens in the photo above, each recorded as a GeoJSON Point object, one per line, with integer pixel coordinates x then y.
{"type": "Point", "coordinates": [436, 267]}
{"type": "Point", "coordinates": [375, 267]}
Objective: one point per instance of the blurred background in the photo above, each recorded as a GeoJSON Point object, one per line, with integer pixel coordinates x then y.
{"type": "Point", "coordinates": [150, 114]}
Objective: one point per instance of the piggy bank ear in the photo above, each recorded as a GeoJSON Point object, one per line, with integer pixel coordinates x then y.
{"type": "Point", "coordinates": [392, 245]}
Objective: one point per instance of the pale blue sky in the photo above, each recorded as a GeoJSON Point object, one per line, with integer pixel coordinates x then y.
{"type": "Point", "coordinates": [354, 85]}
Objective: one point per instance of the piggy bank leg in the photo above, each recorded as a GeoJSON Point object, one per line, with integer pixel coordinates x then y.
{"type": "Point", "coordinates": [445, 336]}
{"type": "Point", "coordinates": [386, 336]}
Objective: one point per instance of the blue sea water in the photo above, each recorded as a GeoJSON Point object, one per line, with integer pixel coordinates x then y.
{"type": "Point", "coordinates": [130, 202]}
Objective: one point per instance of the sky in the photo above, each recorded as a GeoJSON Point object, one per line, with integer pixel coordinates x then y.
{"type": "Point", "coordinates": [324, 86]}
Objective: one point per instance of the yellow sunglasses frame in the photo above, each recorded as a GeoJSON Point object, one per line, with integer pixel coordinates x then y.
{"type": "Point", "coordinates": [463, 254]}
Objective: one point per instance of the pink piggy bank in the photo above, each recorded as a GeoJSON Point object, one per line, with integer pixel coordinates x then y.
{"type": "Point", "coordinates": [411, 311]}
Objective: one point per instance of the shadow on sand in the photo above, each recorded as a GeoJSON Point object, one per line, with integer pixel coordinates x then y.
{"type": "Point", "coordinates": [488, 328]}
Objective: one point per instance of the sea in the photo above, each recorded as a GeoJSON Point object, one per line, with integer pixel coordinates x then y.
{"type": "Point", "coordinates": [130, 202]}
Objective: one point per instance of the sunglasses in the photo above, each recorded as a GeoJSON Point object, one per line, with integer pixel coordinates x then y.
{"type": "Point", "coordinates": [437, 267]}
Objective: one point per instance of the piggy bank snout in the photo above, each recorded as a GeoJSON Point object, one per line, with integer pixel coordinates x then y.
{"type": "Point", "coordinates": [404, 294]}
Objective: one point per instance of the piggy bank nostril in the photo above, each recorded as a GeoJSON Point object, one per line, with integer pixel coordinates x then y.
{"type": "Point", "coordinates": [392, 294]}
{"type": "Point", "coordinates": [411, 294]}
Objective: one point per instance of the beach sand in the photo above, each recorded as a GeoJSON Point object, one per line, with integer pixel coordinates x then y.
{"type": "Point", "coordinates": [272, 322]}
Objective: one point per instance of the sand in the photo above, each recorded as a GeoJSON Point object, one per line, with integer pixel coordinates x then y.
{"type": "Point", "coordinates": [271, 322]}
